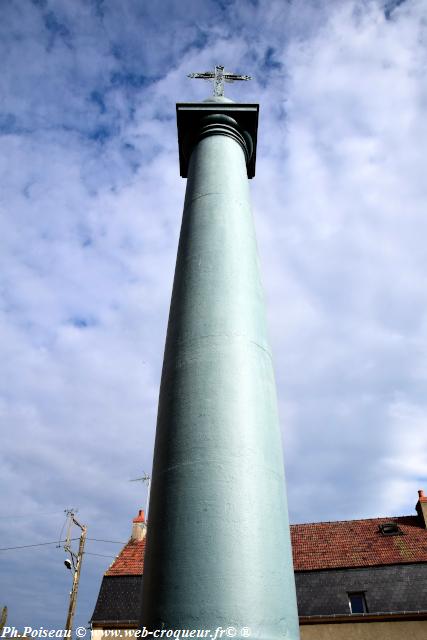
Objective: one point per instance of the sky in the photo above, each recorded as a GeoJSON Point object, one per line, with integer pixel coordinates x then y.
{"type": "Point", "coordinates": [90, 209]}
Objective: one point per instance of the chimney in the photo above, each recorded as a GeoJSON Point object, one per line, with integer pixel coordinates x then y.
{"type": "Point", "coordinates": [139, 527]}
{"type": "Point", "coordinates": [421, 507]}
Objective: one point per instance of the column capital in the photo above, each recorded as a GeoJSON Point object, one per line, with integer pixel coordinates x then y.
{"type": "Point", "coordinates": [199, 119]}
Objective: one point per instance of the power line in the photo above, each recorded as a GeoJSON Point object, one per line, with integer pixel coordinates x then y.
{"type": "Point", "coordinates": [100, 555]}
{"type": "Point", "coordinates": [34, 514]}
{"type": "Point", "coordinates": [112, 541]}
{"type": "Point", "coordinates": [62, 530]}
{"type": "Point", "coordinates": [39, 544]}
{"type": "Point", "coordinates": [58, 542]}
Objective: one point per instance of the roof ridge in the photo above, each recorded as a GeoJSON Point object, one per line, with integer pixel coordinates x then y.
{"type": "Point", "coordinates": [130, 560]}
{"type": "Point", "coordinates": [298, 524]}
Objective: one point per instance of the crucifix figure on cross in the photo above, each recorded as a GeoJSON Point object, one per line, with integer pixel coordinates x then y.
{"type": "Point", "coordinates": [219, 76]}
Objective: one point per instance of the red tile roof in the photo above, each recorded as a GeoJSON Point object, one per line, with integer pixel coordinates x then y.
{"type": "Point", "coordinates": [357, 543]}
{"type": "Point", "coordinates": [325, 545]}
{"type": "Point", "coordinates": [130, 561]}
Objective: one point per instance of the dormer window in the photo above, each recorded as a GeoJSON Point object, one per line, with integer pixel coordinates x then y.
{"type": "Point", "coordinates": [357, 602]}
{"type": "Point", "coordinates": [390, 529]}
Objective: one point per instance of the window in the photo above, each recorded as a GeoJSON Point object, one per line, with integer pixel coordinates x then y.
{"type": "Point", "coordinates": [357, 602]}
{"type": "Point", "coordinates": [389, 529]}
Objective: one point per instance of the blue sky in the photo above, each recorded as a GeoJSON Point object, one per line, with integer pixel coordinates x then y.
{"type": "Point", "coordinates": [91, 201]}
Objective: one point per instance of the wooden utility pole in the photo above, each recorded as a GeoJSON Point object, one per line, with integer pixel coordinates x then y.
{"type": "Point", "coordinates": [3, 618]}
{"type": "Point", "coordinates": [76, 567]}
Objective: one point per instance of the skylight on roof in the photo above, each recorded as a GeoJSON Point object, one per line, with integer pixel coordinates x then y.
{"type": "Point", "coordinates": [390, 529]}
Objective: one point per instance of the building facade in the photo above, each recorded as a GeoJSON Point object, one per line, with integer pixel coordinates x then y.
{"type": "Point", "coordinates": [354, 579]}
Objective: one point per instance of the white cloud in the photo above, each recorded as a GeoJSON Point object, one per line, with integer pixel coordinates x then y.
{"type": "Point", "coordinates": [90, 216]}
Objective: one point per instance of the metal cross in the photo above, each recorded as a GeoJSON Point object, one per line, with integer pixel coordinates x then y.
{"type": "Point", "coordinates": [219, 76]}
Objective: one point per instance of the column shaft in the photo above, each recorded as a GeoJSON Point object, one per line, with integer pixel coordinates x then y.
{"type": "Point", "coordinates": [218, 550]}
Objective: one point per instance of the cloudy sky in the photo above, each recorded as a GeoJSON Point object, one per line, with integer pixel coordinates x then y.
{"type": "Point", "coordinates": [91, 201]}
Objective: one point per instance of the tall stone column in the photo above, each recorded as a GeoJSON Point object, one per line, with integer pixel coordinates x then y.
{"type": "Point", "coordinates": [218, 541]}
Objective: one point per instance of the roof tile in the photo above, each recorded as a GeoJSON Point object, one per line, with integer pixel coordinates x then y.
{"type": "Point", "coordinates": [357, 543]}
{"type": "Point", "coordinates": [130, 561]}
{"type": "Point", "coordinates": [325, 545]}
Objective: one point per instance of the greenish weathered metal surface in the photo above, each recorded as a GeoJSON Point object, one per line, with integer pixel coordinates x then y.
{"type": "Point", "coordinates": [218, 542]}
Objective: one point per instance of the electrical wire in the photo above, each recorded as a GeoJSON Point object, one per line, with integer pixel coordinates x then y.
{"type": "Point", "coordinates": [112, 541]}
{"type": "Point", "coordinates": [62, 530]}
{"type": "Point", "coordinates": [39, 544]}
{"type": "Point", "coordinates": [35, 514]}
{"type": "Point", "coordinates": [100, 555]}
{"type": "Point", "coordinates": [57, 542]}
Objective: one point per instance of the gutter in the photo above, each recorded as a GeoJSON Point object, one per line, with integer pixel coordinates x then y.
{"type": "Point", "coordinates": [381, 616]}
